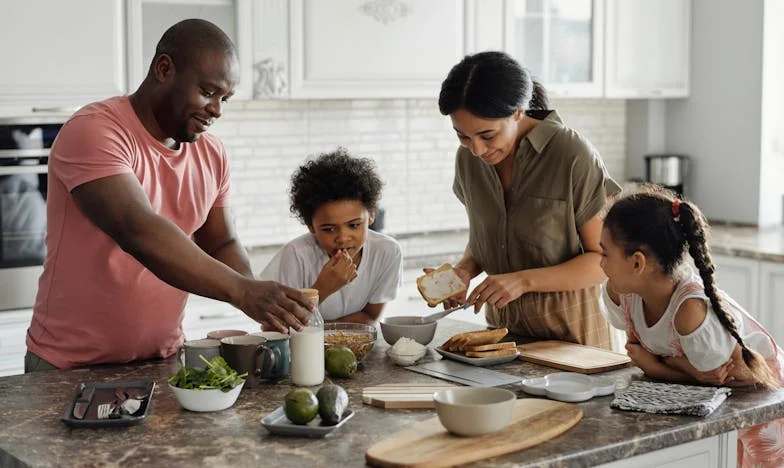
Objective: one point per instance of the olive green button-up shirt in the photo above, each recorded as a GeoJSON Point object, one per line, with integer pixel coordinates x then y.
{"type": "Point", "coordinates": [559, 183]}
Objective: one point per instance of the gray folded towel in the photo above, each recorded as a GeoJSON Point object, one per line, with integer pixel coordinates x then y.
{"type": "Point", "coordinates": [663, 398]}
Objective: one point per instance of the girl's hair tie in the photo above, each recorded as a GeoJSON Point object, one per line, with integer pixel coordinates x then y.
{"type": "Point", "coordinates": [676, 209]}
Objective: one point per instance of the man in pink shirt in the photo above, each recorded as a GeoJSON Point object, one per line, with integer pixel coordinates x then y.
{"type": "Point", "coordinates": [138, 216]}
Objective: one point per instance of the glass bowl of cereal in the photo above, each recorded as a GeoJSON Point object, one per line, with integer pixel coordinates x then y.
{"type": "Point", "coordinates": [358, 337]}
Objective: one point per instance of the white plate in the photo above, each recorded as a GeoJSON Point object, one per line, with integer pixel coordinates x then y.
{"type": "Point", "coordinates": [478, 361]}
{"type": "Point", "coordinates": [568, 386]}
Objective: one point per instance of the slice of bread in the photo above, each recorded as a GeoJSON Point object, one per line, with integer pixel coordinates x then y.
{"type": "Point", "coordinates": [492, 347]}
{"type": "Point", "coordinates": [440, 284]}
{"type": "Point", "coordinates": [461, 341]}
{"type": "Point", "coordinates": [494, 353]}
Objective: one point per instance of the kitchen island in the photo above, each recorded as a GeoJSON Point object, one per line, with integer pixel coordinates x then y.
{"type": "Point", "coordinates": [31, 433]}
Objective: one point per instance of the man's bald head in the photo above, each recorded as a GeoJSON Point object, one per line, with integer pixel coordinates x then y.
{"type": "Point", "coordinates": [189, 39]}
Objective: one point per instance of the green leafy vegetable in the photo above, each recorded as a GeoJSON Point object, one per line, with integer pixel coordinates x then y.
{"type": "Point", "coordinates": [217, 375]}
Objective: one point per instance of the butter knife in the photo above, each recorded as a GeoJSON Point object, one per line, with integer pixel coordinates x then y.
{"type": "Point", "coordinates": [83, 401]}
{"type": "Point", "coordinates": [442, 314]}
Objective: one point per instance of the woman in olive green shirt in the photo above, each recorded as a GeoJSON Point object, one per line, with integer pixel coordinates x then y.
{"type": "Point", "coordinates": [533, 189]}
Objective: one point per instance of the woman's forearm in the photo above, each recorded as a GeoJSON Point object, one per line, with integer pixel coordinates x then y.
{"type": "Point", "coordinates": [580, 272]}
{"type": "Point", "coordinates": [468, 263]}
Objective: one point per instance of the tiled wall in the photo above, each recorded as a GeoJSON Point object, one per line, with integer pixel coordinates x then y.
{"type": "Point", "coordinates": [411, 142]}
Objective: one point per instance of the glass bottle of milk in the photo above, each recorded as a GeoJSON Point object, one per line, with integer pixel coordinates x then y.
{"type": "Point", "coordinates": [307, 347]}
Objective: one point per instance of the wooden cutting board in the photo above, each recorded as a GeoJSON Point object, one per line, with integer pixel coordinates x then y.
{"type": "Point", "coordinates": [402, 396]}
{"type": "Point", "coordinates": [572, 357]}
{"type": "Point", "coordinates": [428, 444]}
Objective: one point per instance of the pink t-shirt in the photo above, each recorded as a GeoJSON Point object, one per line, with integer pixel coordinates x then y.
{"type": "Point", "coordinates": [96, 303]}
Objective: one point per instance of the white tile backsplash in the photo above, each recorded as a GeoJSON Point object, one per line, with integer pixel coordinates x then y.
{"type": "Point", "coordinates": [412, 144]}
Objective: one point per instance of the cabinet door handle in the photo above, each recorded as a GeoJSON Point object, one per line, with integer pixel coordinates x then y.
{"type": "Point", "coordinates": [216, 316]}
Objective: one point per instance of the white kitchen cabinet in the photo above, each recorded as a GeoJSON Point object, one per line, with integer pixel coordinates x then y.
{"type": "Point", "coordinates": [560, 42]}
{"type": "Point", "coordinates": [61, 54]}
{"type": "Point", "coordinates": [149, 19]}
{"type": "Point", "coordinates": [311, 49]}
{"type": "Point", "coordinates": [13, 333]}
{"type": "Point", "coordinates": [716, 452]}
{"type": "Point", "coordinates": [739, 277]}
{"type": "Point", "coordinates": [647, 51]}
{"type": "Point", "coordinates": [772, 299]}
{"type": "Point", "coordinates": [203, 315]}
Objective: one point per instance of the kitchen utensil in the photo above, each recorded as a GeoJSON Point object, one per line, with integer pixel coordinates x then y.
{"type": "Point", "coordinates": [428, 444]}
{"type": "Point", "coordinates": [394, 328]}
{"type": "Point", "coordinates": [402, 396]}
{"type": "Point", "coordinates": [464, 373]}
{"type": "Point", "coordinates": [277, 423]}
{"type": "Point", "coordinates": [473, 411]}
{"type": "Point", "coordinates": [572, 357]}
{"type": "Point", "coordinates": [568, 386]}
{"type": "Point", "coordinates": [440, 315]}
{"type": "Point", "coordinates": [105, 410]}
{"type": "Point", "coordinates": [83, 401]}
{"type": "Point", "coordinates": [485, 361]}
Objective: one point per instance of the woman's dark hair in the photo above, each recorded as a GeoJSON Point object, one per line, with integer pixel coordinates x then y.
{"type": "Point", "coordinates": [331, 177]}
{"type": "Point", "coordinates": [645, 221]}
{"type": "Point", "coordinates": [491, 85]}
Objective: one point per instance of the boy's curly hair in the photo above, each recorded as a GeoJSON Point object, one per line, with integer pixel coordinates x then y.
{"type": "Point", "coordinates": [331, 177]}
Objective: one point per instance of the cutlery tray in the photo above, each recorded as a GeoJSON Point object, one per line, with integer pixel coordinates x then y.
{"type": "Point", "coordinates": [104, 393]}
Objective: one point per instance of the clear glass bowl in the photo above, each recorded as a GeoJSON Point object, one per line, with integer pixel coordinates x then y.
{"type": "Point", "coordinates": [358, 337]}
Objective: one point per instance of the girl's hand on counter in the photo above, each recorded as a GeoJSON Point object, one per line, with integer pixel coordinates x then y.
{"type": "Point", "coordinates": [499, 290]}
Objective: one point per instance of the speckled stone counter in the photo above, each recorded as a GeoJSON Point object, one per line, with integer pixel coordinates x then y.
{"type": "Point", "coordinates": [759, 244]}
{"type": "Point", "coordinates": [31, 433]}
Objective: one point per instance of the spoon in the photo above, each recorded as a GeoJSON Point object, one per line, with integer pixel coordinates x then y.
{"type": "Point", "coordinates": [440, 315]}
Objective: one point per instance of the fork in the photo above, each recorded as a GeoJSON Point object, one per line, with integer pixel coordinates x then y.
{"type": "Point", "coordinates": [105, 410]}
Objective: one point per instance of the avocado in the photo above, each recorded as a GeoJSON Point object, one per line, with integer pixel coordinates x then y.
{"type": "Point", "coordinates": [301, 406]}
{"type": "Point", "coordinates": [340, 361]}
{"type": "Point", "coordinates": [333, 402]}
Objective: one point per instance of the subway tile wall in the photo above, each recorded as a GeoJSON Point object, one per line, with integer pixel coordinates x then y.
{"type": "Point", "coordinates": [412, 143]}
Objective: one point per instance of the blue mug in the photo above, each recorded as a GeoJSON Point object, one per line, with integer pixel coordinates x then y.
{"type": "Point", "coordinates": [279, 344]}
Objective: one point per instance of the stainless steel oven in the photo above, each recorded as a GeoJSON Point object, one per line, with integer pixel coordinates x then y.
{"type": "Point", "coordinates": [24, 153]}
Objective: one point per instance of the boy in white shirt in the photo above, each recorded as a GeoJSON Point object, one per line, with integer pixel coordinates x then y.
{"type": "Point", "coordinates": [356, 270]}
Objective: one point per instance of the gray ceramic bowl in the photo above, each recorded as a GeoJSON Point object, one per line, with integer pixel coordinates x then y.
{"type": "Point", "coordinates": [394, 328]}
{"type": "Point", "coordinates": [472, 411]}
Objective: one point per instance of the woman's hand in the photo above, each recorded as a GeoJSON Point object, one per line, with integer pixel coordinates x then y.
{"type": "Point", "coordinates": [458, 299]}
{"type": "Point", "coordinates": [336, 273]}
{"type": "Point", "coordinates": [498, 290]}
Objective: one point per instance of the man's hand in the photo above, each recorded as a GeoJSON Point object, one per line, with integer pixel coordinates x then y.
{"type": "Point", "coordinates": [498, 290]}
{"type": "Point", "coordinates": [275, 306]}
{"type": "Point", "coordinates": [336, 273]}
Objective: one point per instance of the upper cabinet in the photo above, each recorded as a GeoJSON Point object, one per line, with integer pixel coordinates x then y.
{"type": "Point", "coordinates": [648, 44]}
{"type": "Point", "coordinates": [560, 42]}
{"type": "Point", "coordinates": [356, 48]}
{"type": "Point", "coordinates": [50, 62]}
{"type": "Point", "coordinates": [149, 19]}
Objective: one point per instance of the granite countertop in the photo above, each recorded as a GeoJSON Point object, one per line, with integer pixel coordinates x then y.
{"type": "Point", "coordinates": [31, 433]}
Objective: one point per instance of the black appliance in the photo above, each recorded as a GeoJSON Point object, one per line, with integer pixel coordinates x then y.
{"type": "Point", "coordinates": [670, 171]}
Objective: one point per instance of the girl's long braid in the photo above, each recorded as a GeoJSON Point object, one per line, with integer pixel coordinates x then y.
{"type": "Point", "coordinates": [693, 227]}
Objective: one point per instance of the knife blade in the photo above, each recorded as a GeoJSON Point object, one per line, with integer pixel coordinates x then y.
{"type": "Point", "coordinates": [83, 402]}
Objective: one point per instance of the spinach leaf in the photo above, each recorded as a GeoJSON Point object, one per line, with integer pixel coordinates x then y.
{"type": "Point", "coordinates": [216, 375]}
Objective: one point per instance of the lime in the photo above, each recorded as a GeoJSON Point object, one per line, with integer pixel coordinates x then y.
{"type": "Point", "coordinates": [340, 361]}
{"type": "Point", "coordinates": [301, 406]}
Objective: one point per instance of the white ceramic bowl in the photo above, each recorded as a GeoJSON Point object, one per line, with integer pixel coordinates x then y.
{"type": "Point", "coordinates": [394, 328]}
{"type": "Point", "coordinates": [405, 359]}
{"type": "Point", "coordinates": [206, 400]}
{"type": "Point", "coordinates": [472, 411]}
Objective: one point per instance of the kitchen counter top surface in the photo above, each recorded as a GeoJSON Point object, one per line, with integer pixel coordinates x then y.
{"type": "Point", "coordinates": [433, 249]}
{"type": "Point", "coordinates": [31, 433]}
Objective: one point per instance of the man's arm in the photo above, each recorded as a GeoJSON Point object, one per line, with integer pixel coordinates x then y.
{"type": "Point", "coordinates": [120, 208]}
{"type": "Point", "coordinates": [219, 239]}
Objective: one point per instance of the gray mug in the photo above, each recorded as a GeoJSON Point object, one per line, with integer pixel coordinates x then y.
{"type": "Point", "coordinates": [279, 344]}
{"type": "Point", "coordinates": [247, 353]}
{"type": "Point", "coordinates": [188, 354]}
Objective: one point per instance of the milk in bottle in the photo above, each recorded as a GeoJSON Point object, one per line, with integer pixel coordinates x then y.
{"type": "Point", "coordinates": [307, 347]}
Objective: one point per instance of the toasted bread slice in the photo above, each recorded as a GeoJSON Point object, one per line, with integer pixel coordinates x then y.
{"type": "Point", "coordinates": [491, 347]}
{"type": "Point", "coordinates": [461, 341]}
{"type": "Point", "coordinates": [494, 353]}
{"type": "Point", "coordinates": [440, 284]}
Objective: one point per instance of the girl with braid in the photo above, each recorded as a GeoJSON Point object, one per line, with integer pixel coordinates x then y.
{"type": "Point", "coordinates": [680, 326]}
